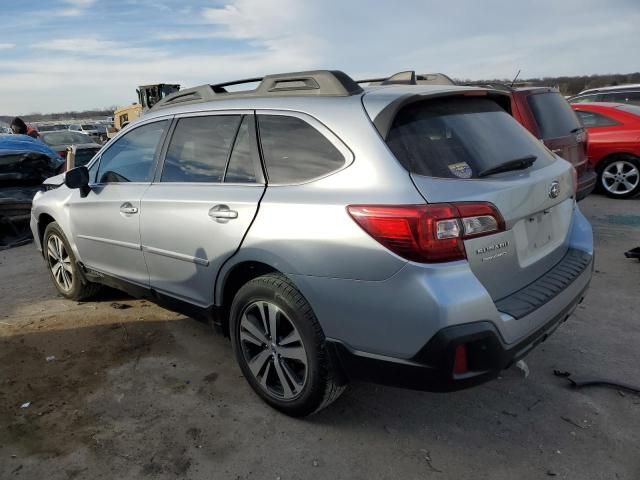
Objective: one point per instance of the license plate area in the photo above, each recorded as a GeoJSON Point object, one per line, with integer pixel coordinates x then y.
{"type": "Point", "coordinates": [540, 233]}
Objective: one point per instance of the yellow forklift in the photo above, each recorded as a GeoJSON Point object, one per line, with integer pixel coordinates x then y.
{"type": "Point", "coordinates": [148, 96]}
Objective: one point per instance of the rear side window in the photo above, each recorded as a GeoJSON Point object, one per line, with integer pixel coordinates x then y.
{"type": "Point", "coordinates": [131, 157]}
{"type": "Point", "coordinates": [553, 114]}
{"type": "Point", "coordinates": [459, 137]}
{"type": "Point", "coordinates": [592, 119]}
{"type": "Point", "coordinates": [199, 149]}
{"type": "Point", "coordinates": [294, 151]}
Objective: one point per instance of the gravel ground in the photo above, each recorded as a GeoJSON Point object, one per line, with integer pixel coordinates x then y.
{"type": "Point", "coordinates": [143, 392]}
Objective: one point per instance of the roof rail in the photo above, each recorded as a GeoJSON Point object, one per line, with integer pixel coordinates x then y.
{"type": "Point", "coordinates": [313, 83]}
{"type": "Point", "coordinates": [410, 77]}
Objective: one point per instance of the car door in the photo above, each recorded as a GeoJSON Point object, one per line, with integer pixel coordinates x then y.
{"type": "Point", "coordinates": [201, 204]}
{"type": "Point", "coordinates": [105, 223]}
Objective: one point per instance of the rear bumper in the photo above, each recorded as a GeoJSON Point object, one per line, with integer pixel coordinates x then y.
{"type": "Point", "coordinates": [431, 369]}
{"type": "Point", "coordinates": [586, 182]}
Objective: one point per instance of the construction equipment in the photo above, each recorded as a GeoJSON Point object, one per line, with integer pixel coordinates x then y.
{"type": "Point", "coordinates": [148, 96]}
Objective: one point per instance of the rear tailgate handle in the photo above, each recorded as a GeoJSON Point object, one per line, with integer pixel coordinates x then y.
{"type": "Point", "coordinates": [222, 212]}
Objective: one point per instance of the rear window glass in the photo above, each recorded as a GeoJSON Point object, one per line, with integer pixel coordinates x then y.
{"type": "Point", "coordinates": [459, 138]}
{"type": "Point", "coordinates": [553, 114]}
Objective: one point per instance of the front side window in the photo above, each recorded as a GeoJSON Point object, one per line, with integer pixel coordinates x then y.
{"type": "Point", "coordinates": [131, 157]}
{"type": "Point", "coordinates": [199, 149]}
{"type": "Point", "coordinates": [460, 137]}
{"type": "Point", "coordinates": [294, 151]}
{"type": "Point", "coordinates": [592, 119]}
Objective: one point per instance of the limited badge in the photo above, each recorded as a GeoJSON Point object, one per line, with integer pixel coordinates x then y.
{"type": "Point", "coordinates": [461, 170]}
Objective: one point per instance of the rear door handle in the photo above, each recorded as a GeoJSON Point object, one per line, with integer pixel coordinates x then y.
{"type": "Point", "coordinates": [126, 207]}
{"type": "Point", "coordinates": [222, 213]}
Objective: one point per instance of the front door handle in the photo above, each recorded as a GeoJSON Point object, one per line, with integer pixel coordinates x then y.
{"type": "Point", "coordinates": [222, 213]}
{"type": "Point", "coordinates": [126, 207]}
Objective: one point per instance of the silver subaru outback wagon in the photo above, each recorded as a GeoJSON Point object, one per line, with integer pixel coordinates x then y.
{"type": "Point", "coordinates": [409, 235]}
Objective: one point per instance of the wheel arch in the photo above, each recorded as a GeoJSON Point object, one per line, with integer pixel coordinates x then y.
{"type": "Point", "coordinates": [44, 219]}
{"type": "Point", "coordinates": [231, 281]}
{"type": "Point", "coordinates": [601, 163]}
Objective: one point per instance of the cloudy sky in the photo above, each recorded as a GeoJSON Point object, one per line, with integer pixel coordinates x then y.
{"type": "Point", "coordinates": [58, 55]}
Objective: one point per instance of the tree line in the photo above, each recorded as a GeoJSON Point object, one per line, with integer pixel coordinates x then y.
{"type": "Point", "coordinates": [568, 85]}
{"type": "Point", "coordinates": [49, 117]}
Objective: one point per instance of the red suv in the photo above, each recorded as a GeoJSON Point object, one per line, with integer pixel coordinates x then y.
{"type": "Point", "coordinates": [547, 115]}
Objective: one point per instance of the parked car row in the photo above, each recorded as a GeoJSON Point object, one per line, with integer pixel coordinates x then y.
{"type": "Point", "coordinates": [614, 145]}
{"type": "Point", "coordinates": [412, 235]}
{"type": "Point", "coordinates": [617, 94]}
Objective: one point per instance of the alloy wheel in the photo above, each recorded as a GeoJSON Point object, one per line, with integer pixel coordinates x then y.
{"type": "Point", "coordinates": [620, 177]}
{"type": "Point", "coordinates": [60, 263]}
{"type": "Point", "coordinates": [273, 349]}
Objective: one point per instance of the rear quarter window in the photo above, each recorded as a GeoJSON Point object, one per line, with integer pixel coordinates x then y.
{"type": "Point", "coordinates": [553, 114]}
{"type": "Point", "coordinates": [294, 151]}
{"type": "Point", "coordinates": [459, 137]}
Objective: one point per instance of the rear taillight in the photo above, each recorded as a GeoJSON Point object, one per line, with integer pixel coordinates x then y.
{"type": "Point", "coordinates": [428, 233]}
{"type": "Point", "coordinates": [574, 178]}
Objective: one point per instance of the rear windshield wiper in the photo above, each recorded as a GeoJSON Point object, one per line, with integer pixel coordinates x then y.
{"type": "Point", "coordinates": [515, 164]}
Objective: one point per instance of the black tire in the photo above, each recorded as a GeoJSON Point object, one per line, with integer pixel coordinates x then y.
{"type": "Point", "coordinates": [320, 386]}
{"type": "Point", "coordinates": [626, 159]}
{"type": "Point", "coordinates": [79, 288]}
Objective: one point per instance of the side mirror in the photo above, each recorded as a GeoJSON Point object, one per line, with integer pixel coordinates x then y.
{"type": "Point", "coordinates": [78, 178]}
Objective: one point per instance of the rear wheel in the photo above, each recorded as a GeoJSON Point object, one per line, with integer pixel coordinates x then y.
{"type": "Point", "coordinates": [63, 268]}
{"type": "Point", "coordinates": [279, 346]}
{"type": "Point", "coordinates": [620, 176]}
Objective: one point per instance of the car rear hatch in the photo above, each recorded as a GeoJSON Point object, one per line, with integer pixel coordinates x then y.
{"type": "Point", "coordinates": [559, 127]}
{"type": "Point", "coordinates": [451, 146]}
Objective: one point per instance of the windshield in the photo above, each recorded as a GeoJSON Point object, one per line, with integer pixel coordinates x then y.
{"type": "Point", "coordinates": [65, 137]}
{"type": "Point", "coordinates": [88, 127]}
{"type": "Point", "coordinates": [553, 114]}
{"type": "Point", "coordinates": [459, 138]}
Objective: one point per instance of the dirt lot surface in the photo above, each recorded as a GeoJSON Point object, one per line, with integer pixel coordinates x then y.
{"type": "Point", "coordinates": [142, 392]}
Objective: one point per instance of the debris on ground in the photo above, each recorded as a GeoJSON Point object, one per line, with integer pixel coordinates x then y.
{"type": "Point", "coordinates": [25, 405]}
{"type": "Point", "coordinates": [120, 306]}
{"type": "Point", "coordinates": [50, 358]}
{"type": "Point", "coordinates": [592, 382]}
{"type": "Point", "coordinates": [573, 422]}
{"type": "Point", "coordinates": [522, 366]}
{"type": "Point", "coordinates": [633, 253]}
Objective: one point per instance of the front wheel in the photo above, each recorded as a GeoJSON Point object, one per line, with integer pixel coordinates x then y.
{"type": "Point", "coordinates": [620, 176]}
{"type": "Point", "coordinates": [279, 346]}
{"type": "Point", "coordinates": [62, 265]}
